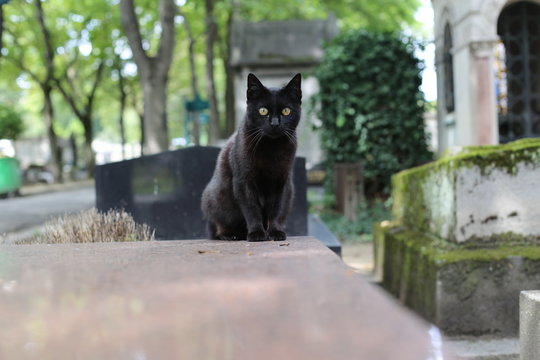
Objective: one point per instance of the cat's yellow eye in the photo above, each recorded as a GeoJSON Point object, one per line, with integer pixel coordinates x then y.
{"type": "Point", "coordinates": [263, 111]}
{"type": "Point", "coordinates": [286, 111]}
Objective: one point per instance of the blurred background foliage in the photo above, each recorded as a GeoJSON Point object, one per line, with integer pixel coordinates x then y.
{"type": "Point", "coordinates": [86, 32]}
{"type": "Point", "coordinates": [371, 107]}
{"type": "Point", "coordinates": [67, 71]}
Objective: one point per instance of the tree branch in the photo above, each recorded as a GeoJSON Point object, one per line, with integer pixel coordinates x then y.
{"type": "Point", "coordinates": [49, 53]}
{"type": "Point", "coordinates": [191, 51]}
{"type": "Point", "coordinates": [19, 60]}
{"type": "Point", "coordinates": [69, 99]}
{"type": "Point", "coordinates": [133, 33]}
{"type": "Point", "coordinates": [92, 93]}
{"type": "Point", "coordinates": [167, 12]}
{"type": "Point", "coordinates": [1, 29]}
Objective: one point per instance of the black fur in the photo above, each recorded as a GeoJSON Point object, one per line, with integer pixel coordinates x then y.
{"type": "Point", "coordinates": [251, 191]}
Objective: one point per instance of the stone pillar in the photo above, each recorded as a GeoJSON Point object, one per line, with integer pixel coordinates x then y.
{"type": "Point", "coordinates": [484, 123]}
{"type": "Point", "coordinates": [529, 325]}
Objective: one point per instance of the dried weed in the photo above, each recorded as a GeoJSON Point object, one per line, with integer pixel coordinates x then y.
{"type": "Point", "coordinates": [92, 226]}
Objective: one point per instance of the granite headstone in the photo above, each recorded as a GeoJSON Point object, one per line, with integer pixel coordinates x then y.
{"type": "Point", "coordinates": [164, 191]}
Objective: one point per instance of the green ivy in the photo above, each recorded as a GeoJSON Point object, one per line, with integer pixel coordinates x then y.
{"type": "Point", "coordinates": [371, 107]}
{"type": "Point", "coordinates": [11, 124]}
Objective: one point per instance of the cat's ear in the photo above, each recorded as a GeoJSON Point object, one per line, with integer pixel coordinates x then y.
{"type": "Point", "coordinates": [294, 87]}
{"type": "Point", "coordinates": [254, 87]}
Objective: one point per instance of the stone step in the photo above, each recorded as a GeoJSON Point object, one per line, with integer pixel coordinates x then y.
{"type": "Point", "coordinates": [475, 348]}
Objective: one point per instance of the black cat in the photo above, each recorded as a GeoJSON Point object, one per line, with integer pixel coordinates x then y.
{"type": "Point", "coordinates": [251, 191]}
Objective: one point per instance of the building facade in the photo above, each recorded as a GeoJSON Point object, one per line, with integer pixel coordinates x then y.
{"type": "Point", "coordinates": [488, 71]}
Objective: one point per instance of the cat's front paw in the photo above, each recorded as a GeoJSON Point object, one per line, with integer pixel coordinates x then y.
{"type": "Point", "coordinates": [277, 235]}
{"type": "Point", "coordinates": [258, 235]}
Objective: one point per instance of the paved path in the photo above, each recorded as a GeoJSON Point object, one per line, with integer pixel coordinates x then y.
{"type": "Point", "coordinates": [199, 299]}
{"type": "Point", "coordinates": [29, 211]}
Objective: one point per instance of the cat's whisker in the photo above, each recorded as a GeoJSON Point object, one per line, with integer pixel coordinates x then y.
{"type": "Point", "coordinates": [252, 131]}
{"type": "Point", "coordinates": [261, 135]}
{"type": "Point", "coordinates": [254, 138]}
{"type": "Point", "coordinates": [291, 135]}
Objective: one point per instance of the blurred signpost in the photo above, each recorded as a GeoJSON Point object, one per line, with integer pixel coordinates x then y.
{"type": "Point", "coordinates": [195, 117]}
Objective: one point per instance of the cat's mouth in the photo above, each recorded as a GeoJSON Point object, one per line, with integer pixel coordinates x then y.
{"type": "Point", "coordinates": [274, 133]}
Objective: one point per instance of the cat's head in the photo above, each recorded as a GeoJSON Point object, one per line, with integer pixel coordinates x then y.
{"type": "Point", "coordinates": [275, 111]}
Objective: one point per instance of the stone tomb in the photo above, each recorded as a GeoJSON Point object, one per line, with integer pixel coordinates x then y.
{"type": "Point", "coordinates": [164, 191]}
{"type": "Point", "coordinates": [465, 237]}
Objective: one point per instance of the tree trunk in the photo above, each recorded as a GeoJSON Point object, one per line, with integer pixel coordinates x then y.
{"type": "Point", "coordinates": [141, 124]}
{"type": "Point", "coordinates": [211, 33]}
{"type": "Point", "coordinates": [194, 79]}
{"type": "Point", "coordinates": [1, 29]}
{"type": "Point", "coordinates": [89, 155]}
{"type": "Point", "coordinates": [123, 96]}
{"type": "Point", "coordinates": [153, 71]}
{"type": "Point", "coordinates": [140, 113]}
{"type": "Point", "coordinates": [155, 114]}
{"type": "Point", "coordinates": [84, 113]}
{"type": "Point", "coordinates": [46, 85]}
{"type": "Point", "coordinates": [48, 117]}
{"type": "Point", "coordinates": [73, 144]}
{"type": "Point", "coordinates": [230, 118]}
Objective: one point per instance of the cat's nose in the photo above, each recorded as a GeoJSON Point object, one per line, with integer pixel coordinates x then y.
{"type": "Point", "coordinates": [274, 121]}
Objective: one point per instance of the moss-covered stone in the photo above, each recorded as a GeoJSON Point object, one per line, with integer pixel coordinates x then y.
{"type": "Point", "coordinates": [425, 196]}
{"type": "Point", "coordinates": [447, 282]}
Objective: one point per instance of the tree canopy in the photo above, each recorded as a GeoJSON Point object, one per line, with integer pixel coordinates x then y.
{"type": "Point", "coordinates": [65, 60]}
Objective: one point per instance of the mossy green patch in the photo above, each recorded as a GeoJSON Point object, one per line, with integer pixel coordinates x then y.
{"type": "Point", "coordinates": [445, 282]}
{"type": "Point", "coordinates": [424, 196]}
{"type": "Point", "coordinates": [443, 252]}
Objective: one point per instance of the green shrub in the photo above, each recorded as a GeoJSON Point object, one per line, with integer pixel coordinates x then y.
{"type": "Point", "coordinates": [11, 124]}
{"type": "Point", "coordinates": [370, 105]}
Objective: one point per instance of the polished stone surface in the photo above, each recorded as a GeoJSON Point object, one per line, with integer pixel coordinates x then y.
{"type": "Point", "coordinates": [164, 191]}
{"type": "Point", "coordinates": [199, 299]}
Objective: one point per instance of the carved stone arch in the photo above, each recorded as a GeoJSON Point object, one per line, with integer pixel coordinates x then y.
{"type": "Point", "coordinates": [492, 8]}
{"type": "Point", "coordinates": [444, 15]}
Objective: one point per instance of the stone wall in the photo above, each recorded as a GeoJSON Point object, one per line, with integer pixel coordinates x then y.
{"type": "Point", "coordinates": [482, 193]}
{"type": "Point", "coordinates": [465, 237]}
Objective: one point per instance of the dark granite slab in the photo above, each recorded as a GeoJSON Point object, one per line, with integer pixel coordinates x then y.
{"type": "Point", "coordinates": [318, 229]}
{"type": "Point", "coordinates": [164, 191]}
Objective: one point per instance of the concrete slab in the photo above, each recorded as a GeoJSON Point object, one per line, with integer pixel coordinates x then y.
{"type": "Point", "coordinates": [474, 348]}
{"type": "Point", "coordinates": [529, 324]}
{"type": "Point", "coordinates": [199, 299]}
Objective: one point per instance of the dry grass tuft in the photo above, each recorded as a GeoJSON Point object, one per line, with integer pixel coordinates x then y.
{"type": "Point", "coordinates": [92, 226]}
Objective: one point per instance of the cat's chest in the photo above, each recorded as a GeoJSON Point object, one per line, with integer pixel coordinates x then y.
{"type": "Point", "coordinates": [273, 164]}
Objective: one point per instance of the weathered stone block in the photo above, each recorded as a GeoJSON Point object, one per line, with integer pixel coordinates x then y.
{"type": "Point", "coordinates": [529, 325]}
{"type": "Point", "coordinates": [482, 194]}
{"type": "Point", "coordinates": [461, 289]}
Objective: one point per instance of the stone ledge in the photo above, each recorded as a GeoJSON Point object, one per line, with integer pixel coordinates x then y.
{"type": "Point", "coordinates": [477, 195]}
{"type": "Point", "coordinates": [198, 299]}
{"type": "Point", "coordinates": [447, 283]}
